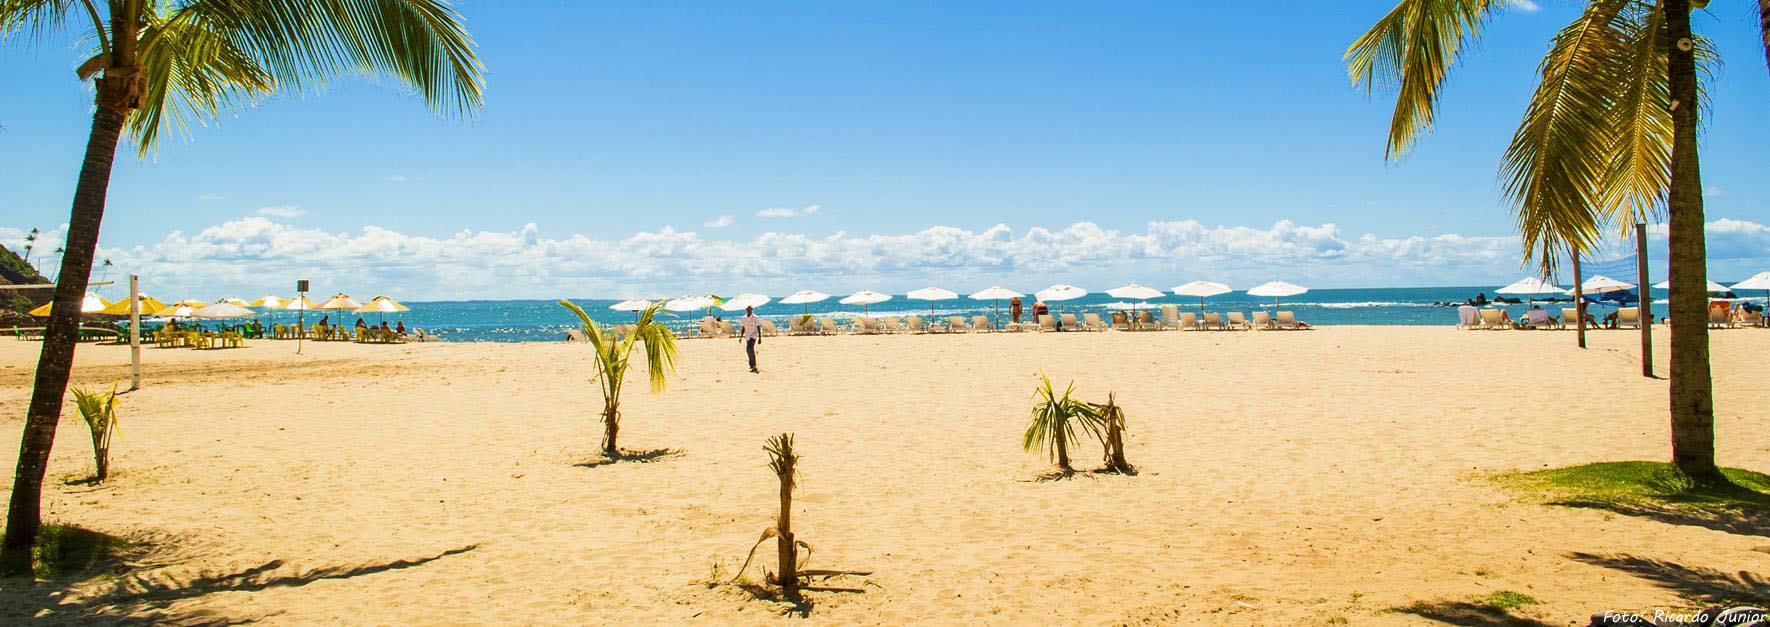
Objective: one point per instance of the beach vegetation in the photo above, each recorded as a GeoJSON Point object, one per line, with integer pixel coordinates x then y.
{"type": "Point", "coordinates": [62, 551]}
{"type": "Point", "coordinates": [162, 65]}
{"type": "Point", "coordinates": [614, 354]}
{"type": "Point", "coordinates": [1631, 485]}
{"type": "Point", "coordinates": [1055, 420]}
{"type": "Point", "coordinates": [99, 410]}
{"type": "Point", "coordinates": [1111, 433]}
{"type": "Point", "coordinates": [1608, 141]}
{"type": "Point", "coordinates": [790, 576]}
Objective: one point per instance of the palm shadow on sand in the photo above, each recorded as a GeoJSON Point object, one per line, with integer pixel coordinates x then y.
{"type": "Point", "coordinates": [1696, 583]}
{"type": "Point", "coordinates": [1468, 614]}
{"type": "Point", "coordinates": [642, 457]}
{"type": "Point", "coordinates": [142, 598]}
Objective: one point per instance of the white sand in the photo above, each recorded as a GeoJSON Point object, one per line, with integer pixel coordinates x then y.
{"type": "Point", "coordinates": [1287, 476]}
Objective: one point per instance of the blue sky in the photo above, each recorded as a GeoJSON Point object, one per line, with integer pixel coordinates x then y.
{"type": "Point", "coordinates": [643, 140]}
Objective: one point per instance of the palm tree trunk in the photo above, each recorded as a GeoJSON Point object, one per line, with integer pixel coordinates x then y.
{"type": "Point", "coordinates": [1579, 301]}
{"type": "Point", "coordinates": [611, 423]}
{"type": "Point", "coordinates": [1692, 392]}
{"type": "Point", "coordinates": [1063, 453]}
{"type": "Point", "coordinates": [23, 514]}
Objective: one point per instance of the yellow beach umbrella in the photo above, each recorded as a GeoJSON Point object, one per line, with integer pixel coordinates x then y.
{"type": "Point", "coordinates": [91, 304]}
{"type": "Point", "coordinates": [191, 303]}
{"type": "Point", "coordinates": [299, 303]}
{"type": "Point", "coordinates": [340, 300]}
{"type": "Point", "coordinates": [271, 302]}
{"type": "Point", "coordinates": [149, 306]}
{"type": "Point", "coordinates": [235, 301]}
{"type": "Point", "coordinates": [382, 304]}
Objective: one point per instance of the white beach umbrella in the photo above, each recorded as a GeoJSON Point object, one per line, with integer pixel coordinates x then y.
{"type": "Point", "coordinates": [689, 303]}
{"type": "Point", "coordinates": [745, 301]}
{"type": "Point", "coordinates": [1713, 286]}
{"type": "Point", "coordinates": [1201, 289]}
{"type": "Point", "coordinates": [223, 310]}
{"type": "Point", "coordinates": [636, 304]}
{"type": "Point", "coordinates": [806, 298]}
{"type": "Point", "coordinates": [1277, 290]}
{"type": "Point", "coordinates": [1530, 286]}
{"type": "Point", "coordinates": [1135, 292]}
{"type": "Point", "coordinates": [91, 303]}
{"type": "Point", "coordinates": [1060, 292]}
{"type": "Point", "coordinates": [996, 293]}
{"type": "Point", "coordinates": [271, 302]}
{"type": "Point", "coordinates": [866, 299]}
{"type": "Point", "coordinates": [1600, 284]}
{"type": "Point", "coordinates": [931, 294]}
{"type": "Point", "coordinates": [1759, 281]}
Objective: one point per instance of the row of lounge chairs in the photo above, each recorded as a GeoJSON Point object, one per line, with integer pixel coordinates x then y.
{"type": "Point", "coordinates": [1171, 319]}
{"type": "Point", "coordinates": [192, 339]}
{"type": "Point", "coordinates": [341, 333]}
{"type": "Point", "coordinates": [1626, 318]}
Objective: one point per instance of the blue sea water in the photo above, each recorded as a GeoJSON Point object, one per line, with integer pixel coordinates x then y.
{"type": "Point", "coordinates": [544, 320]}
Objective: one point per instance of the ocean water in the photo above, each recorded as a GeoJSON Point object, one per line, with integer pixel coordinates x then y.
{"type": "Point", "coordinates": [544, 320]}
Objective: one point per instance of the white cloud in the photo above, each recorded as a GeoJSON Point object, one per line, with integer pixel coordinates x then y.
{"type": "Point", "coordinates": [718, 223]}
{"type": "Point", "coordinates": [782, 212]}
{"type": "Point", "coordinates": [396, 178]}
{"type": "Point", "coordinates": [283, 211]}
{"type": "Point", "coordinates": [1713, 191]}
{"type": "Point", "coordinates": [255, 254]}
{"type": "Point", "coordinates": [1527, 6]}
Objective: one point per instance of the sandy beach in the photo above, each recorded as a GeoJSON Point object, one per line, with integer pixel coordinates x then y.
{"type": "Point", "coordinates": [1307, 477]}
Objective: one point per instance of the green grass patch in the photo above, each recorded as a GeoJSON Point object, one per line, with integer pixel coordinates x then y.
{"type": "Point", "coordinates": [1507, 600]}
{"type": "Point", "coordinates": [69, 551]}
{"type": "Point", "coordinates": [1641, 483]}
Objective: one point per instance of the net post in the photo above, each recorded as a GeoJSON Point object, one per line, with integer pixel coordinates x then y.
{"type": "Point", "coordinates": [1646, 316]}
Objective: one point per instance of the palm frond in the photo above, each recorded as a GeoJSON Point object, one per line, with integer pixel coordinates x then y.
{"type": "Point", "coordinates": [420, 43]}
{"type": "Point", "coordinates": [35, 18]}
{"type": "Point", "coordinates": [1764, 28]}
{"type": "Point", "coordinates": [1558, 156]}
{"type": "Point", "coordinates": [660, 346]}
{"type": "Point", "coordinates": [1640, 159]}
{"type": "Point", "coordinates": [191, 73]}
{"type": "Point", "coordinates": [1412, 48]}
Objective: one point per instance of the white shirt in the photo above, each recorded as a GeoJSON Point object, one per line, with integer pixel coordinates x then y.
{"type": "Point", "coordinates": [751, 327]}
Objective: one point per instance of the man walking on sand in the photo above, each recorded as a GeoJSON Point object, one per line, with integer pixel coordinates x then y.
{"type": "Point", "coordinates": [750, 333]}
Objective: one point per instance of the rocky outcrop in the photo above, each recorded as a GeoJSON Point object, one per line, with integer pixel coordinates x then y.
{"type": "Point", "coordinates": [14, 271]}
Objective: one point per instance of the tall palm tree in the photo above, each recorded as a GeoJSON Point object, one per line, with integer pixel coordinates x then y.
{"type": "Point", "coordinates": [162, 64]}
{"type": "Point", "coordinates": [30, 242]}
{"type": "Point", "coordinates": [1608, 140]}
{"type": "Point", "coordinates": [613, 356]}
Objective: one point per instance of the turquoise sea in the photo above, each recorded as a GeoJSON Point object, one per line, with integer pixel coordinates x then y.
{"type": "Point", "coordinates": [543, 320]}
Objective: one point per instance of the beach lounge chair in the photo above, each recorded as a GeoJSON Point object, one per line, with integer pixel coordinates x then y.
{"type": "Point", "coordinates": [575, 336]}
{"type": "Point", "coordinates": [1569, 318]}
{"type": "Point", "coordinates": [1236, 321]}
{"type": "Point", "coordinates": [829, 326]}
{"type": "Point", "coordinates": [1752, 319]}
{"type": "Point", "coordinates": [1170, 317]}
{"type": "Point", "coordinates": [916, 325]}
{"type": "Point", "coordinates": [1213, 321]}
{"type": "Point", "coordinates": [1092, 322]}
{"type": "Point", "coordinates": [1628, 317]}
{"type": "Point", "coordinates": [982, 323]}
{"type": "Point", "coordinates": [1490, 320]}
{"type": "Point", "coordinates": [1288, 320]}
{"type": "Point", "coordinates": [1069, 323]}
{"type": "Point", "coordinates": [1539, 319]}
{"type": "Point", "coordinates": [1121, 321]}
{"type": "Point", "coordinates": [706, 328]}
{"type": "Point", "coordinates": [1189, 322]}
{"type": "Point", "coordinates": [1047, 323]}
{"type": "Point", "coordinates": [769, 329]}
{"type": "Point", "coordinates": [957, 324]}
{"type": "Point", "coordinates": [892, 325]}
{"type": "Point", "coordinates": [1263, 321]}
{"type": "Point", "coordinates": [1718, 318]}
{"type": "Point", "coordinates": [1468, 317]}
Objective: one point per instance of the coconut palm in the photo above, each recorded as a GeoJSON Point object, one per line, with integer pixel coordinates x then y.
{"type": "Point", "coordinates": [30, 243]}
{"type": "Point", "coordinates": [613, 356]}
{"type": "Point", "coordinates": [161, 65]}
{"type": "Point", "coordinates": [1054, 422]}
{"type": "Point", "coordinates": [1608, 140]}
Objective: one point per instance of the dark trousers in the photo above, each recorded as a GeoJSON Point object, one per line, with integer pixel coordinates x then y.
{"type": "Point", "coordinates": [750, 348]}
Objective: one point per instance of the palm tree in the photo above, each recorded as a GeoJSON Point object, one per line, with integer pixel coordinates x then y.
{"type": "Point", "coordinates": [162, 64]}
{"type": "Point", "coordinates": [1608, 140]}
{"type": "Point", "coordinates": [30, 242]}
{"type": "Point", "coordinates": [613, 356]}
{"type": "Point", "coordinates": [1054, 421]}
